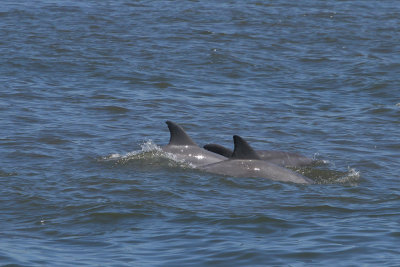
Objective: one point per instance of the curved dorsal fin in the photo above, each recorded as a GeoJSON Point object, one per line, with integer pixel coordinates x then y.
{"type": "Point", "coordinates": [226, 152]}
{"type": "Point", "coordinates": [242, 149]}
{"type": "Point", "coordinates": [178, 135]}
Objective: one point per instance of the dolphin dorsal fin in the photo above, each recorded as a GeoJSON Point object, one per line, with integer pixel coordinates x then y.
{"type": "Point", "coordinates": [178, 136]}
{"type": "Point", "coordinates": [242, 149]}
{"type": "Point", "coordinates": [223, 151]}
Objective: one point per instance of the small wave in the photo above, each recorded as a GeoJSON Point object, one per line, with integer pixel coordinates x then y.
{"type": "Point", "coordinates": [147, 146]}
{"type": "Point", "coordinates": [7, 174]}
{"type": "Point", "coordinates": [112, 109]}
{"type": "Point", "coordinates": [318, 160]}
{"type": "Point", "coordinates": [329, 176]}
{"type": "Point", "coordinates": [352, 177]}
{"type": "Point", "coordinates": [151, 153]}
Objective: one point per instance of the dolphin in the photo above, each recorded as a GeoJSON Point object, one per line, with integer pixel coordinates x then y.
{"type": "Point", "coordinates": [281, 158]}
{"type": "Point", "coordinates": [245, 162]}
{"type": "Point", "coordinates": [183, 148]}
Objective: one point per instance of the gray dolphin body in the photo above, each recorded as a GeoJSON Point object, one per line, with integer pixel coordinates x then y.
{"type": "Point", "coordinates": [280, 158]}
{"type": "Point", "coordinates": [183, 148]}
{"type": "Point", "coordinates": [245, 162]}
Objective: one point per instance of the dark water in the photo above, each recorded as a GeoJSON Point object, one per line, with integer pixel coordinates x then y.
{"type": "Point", "coordinates": [87, 85]}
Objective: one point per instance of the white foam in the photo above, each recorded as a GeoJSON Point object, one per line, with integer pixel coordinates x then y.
{"type": "Point", "coordinates": [174, 158]}
{"type": "Point", "coordinates": [147, 146]}
{"type": "Point", "coordinates": [353, 173]}
{"type": "Point", "coordinates": [317, 158]}
{"type": "Point", "coordinates": [149, 150]}
{"type": "Point", "coordinates": [352, 176]}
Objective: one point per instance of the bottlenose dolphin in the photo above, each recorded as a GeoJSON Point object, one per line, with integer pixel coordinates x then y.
{"type": "Point", "coordinates": [183, 148]}
{"type": "Point", "coordinates": [245, 162]}
{"type": "Point", "coordinates": [281, 158]}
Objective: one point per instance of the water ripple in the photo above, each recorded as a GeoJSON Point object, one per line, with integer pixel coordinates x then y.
{"type": "Point", "coordinates": [87, 87]}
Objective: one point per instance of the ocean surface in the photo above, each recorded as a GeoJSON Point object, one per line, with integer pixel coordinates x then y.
{"type": "Point", "coordinates": [86, 88]}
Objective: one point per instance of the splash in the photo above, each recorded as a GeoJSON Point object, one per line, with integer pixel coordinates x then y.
{"type": "Point", "coordinates": [149, 152]}
{"type": "Point", "coordinates": [147, 147]}
{"type": "Point", "coordinates": [322, 175]}
{"type": "Point", "coordinates": [352, 177]}
{"type": "Point", "coordinates": [318, 160]}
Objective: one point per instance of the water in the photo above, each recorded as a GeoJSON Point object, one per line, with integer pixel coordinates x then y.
{"type": "Point", "coordinates": [86, 87]}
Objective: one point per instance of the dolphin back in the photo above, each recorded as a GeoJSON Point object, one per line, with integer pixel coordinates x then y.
{"type": "Point", "coordinates": [255, 168]}
{"type": "Point", "coordinates": [280, 158]}
{"type": "Point", "coordinates": [285, 158]}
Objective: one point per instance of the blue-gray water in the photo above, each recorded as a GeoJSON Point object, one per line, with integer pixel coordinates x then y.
{"type": "Point", "coordinates": [85, 89]}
